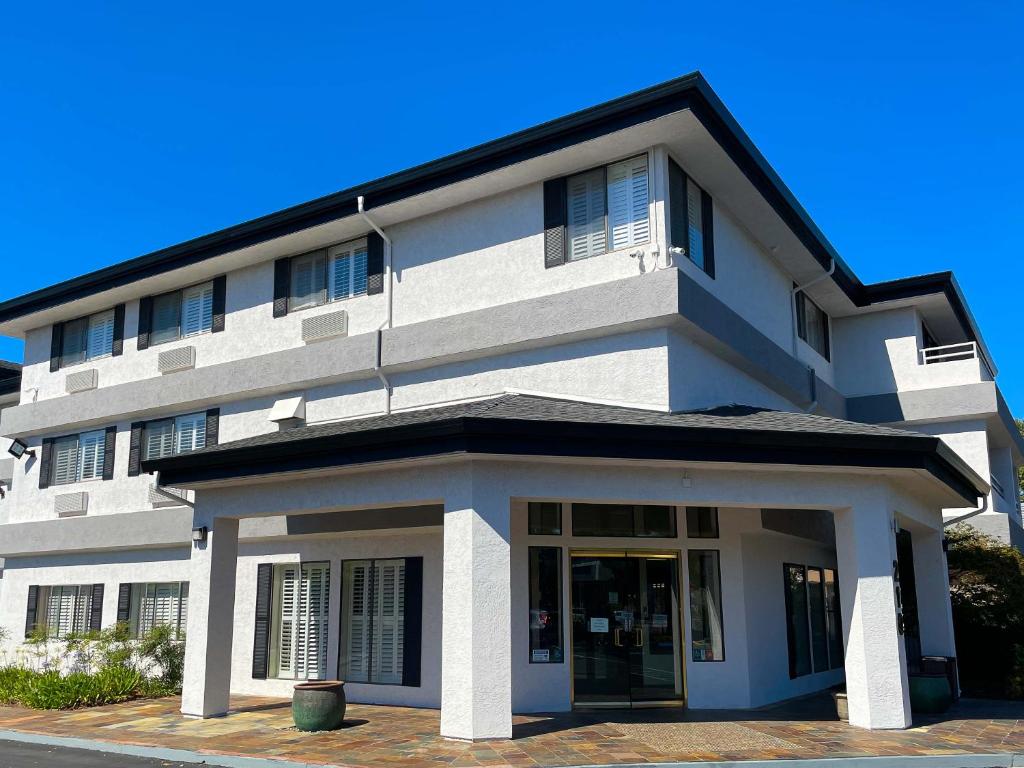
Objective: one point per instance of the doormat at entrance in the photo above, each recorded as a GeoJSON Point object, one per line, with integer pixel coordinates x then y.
{"type": "Point", "coordinates": [702, 737]}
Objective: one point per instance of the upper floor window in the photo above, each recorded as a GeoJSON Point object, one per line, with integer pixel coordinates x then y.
{"type": "Point", "coordinates": [182, 313]}
{"type": "Point", "coordinates": [608, 208]}
{"type": "Point", "coordinates": [812, 325]}
{"type": "Point", "coordinates": [78, 457]}
{"type": "Point", "coordinates": [87, 338]}
{"type": "Point", "coordinates": [168, 437]}
{"type": "Point", "coordinates": [691, 216]}
{"type": "Point", "coordinates": [328, 274]}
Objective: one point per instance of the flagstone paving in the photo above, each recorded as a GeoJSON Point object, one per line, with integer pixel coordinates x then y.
{"type": "Point", "coordinates": [397, 736]}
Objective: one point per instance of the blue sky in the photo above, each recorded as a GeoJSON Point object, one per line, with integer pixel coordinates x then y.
{"type": "Point", "coordinates": [126, 129]}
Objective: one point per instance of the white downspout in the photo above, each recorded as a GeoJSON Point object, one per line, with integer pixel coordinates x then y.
{"type": "Point", "coordinates": [388, 293]}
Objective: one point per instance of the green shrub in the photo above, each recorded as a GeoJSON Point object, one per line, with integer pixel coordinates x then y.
{"type": "Point", "coordinates": [159, 646]}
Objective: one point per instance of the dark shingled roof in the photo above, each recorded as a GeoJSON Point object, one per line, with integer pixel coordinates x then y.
{"type": "Point", "coordinates": [516, 424]}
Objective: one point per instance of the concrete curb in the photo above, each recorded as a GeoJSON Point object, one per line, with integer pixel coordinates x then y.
{"type": "Point", "coordinates": [156, 753]}
{"type": "Point", "coordinates": [994, 760]}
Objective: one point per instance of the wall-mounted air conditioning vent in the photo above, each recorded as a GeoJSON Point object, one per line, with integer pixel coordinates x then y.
{"type": "Point", "coordinates": [180, 359]}
{"type": "Point", "coordinates": [325, 326]}
{"type": "Point", "coordinates": [69, 504]}
{"type": "Point", "coordinates": [80, 381]}
{"type": "Point", "coordinates": [158, 499]}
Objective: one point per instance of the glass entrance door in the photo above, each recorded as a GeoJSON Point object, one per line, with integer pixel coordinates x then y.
{"type": "Point", "coordinates": [625, 630]}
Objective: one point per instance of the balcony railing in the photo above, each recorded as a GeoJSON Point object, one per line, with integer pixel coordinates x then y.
{"type": "Point", "coordinates": [949, 353]}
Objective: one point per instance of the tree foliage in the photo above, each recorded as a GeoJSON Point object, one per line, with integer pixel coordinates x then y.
{"type": "Point", "coordinates": [986, 583]}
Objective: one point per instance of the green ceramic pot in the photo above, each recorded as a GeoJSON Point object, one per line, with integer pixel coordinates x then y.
{"type": "Point", "coordinates": [319, 705]}
{"type": "Point", "coordinates": [930, 694]}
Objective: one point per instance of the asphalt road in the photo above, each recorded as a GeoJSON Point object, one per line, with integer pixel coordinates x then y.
{"type": "Point", "coordinates": [14, 754]}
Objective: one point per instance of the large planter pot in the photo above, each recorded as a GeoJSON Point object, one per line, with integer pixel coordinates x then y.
{"type": "Point", "coordinates": [842, 706]}
{"type": "Point", "coordinates": [930, 694]}
{"type": "Point", "coordinates": [319, 705]}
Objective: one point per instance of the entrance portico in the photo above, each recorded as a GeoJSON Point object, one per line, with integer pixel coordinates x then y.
{"type": "Point", "coordinates": [485, 666]}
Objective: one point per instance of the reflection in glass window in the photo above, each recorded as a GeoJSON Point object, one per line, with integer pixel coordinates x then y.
{"type": "Point", "coordinates": [545, 518]}
{"type": "Point", "coordinates": [635, 520]}
{"type": "Point", "coordinates": [702, 522]}
{"type": "Point", "coordinates": [546, 605]}
{"type": "Point", "coordinates": [813, 626]}
{"type": "Point", "coordinates": [707, 641]}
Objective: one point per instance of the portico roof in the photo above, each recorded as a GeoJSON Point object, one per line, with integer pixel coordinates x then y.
{"type": "Point", "coordinates": [529, 425]}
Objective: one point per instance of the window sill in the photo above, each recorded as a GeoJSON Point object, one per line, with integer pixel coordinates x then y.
{"type": "Point", "coordinates": [617, 252]}
{"type": "Point", "coordinates": [67, 366]}
{"type": "Point", "coordinates": [330, 303]}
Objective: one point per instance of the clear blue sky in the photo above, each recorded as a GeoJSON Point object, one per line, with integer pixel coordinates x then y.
{"type": "Point", "coordinates": [898, 127]}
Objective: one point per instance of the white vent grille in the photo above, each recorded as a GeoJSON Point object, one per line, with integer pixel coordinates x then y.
{"type": "Point", "coordinates": [67, 504]}
{"type": "Point", "coordinates": [180, 359]}
{"type": "Point", "coordinates": [325, 326]}
{"type": "Point", "coordinates": [158, 499]}
{"type": "Point", "coordinates": [80, 381]}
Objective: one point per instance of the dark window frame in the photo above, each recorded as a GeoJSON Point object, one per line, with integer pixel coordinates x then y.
{"type": "Point", "coordinates": [536, 530]}
{"type": "Point", "coordinates": [721, 607]}
{"type": "Point", "coordinates": [679, 220]}
{"type": "Point", "coordinates": [713, 530]}
{"type": "Point", "coordinates": [180, 293]}
{"type": "Point", "coordinates": [672, 518]}
{"type": "Point", "coordinates": [325, 291]}
{"type": "Point", "coordinates": [64, 363]}
{"type": "Point", "coordinates": [560, 601]}
{"type": "Point", "coordinates": [832, 620]}
{"type": "Point", "coordinates": [802, 300]}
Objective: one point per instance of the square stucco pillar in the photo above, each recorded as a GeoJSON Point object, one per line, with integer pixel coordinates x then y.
{"type": "Point", "coordinates": [211, 618]}
{"type": "Point", "coordinates": [934, 610]}
{"type": "Point", "coordinates": [876, 669]}
{"type": "Point", "coordinates": [476, 632]}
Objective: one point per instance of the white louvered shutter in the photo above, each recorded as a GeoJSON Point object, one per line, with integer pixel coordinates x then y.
{"type": "Point", "coordinates": [147, 606]}
{"type": "Point", "coordinates": [389, 578]}
{"type": "Point", "coordinates": [357, 620]}
{"type": "Point", "coordinates": [83, 607]}
{"type": "Point", "coordinates": [359, 271]}
{"type": "Point", "coordinates": [65, 460]}
{"type": "Point", "coordinates": [91, 449]}
{"type": "Point", "coordinates": [159, 439]}
{"type": "Point", "coordinates": [628, 209]}
{"type": "Point", "coordinates": [695, 213]}
{"type": "Point", "coordinates": [311, 646]}
{"type": "Point", "coordinates": [586, 221]}
{"type": "Point", "coordinates": [101, 335]}
{"type": "Point", "coordinates": [189, 432]}
{"type": "Point", "coordinates": [197, 309]}
{"type": "Point", "coordinates": [288, 621]}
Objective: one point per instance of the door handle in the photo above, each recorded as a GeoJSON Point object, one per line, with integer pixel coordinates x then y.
{"type": "Point", "coordinates": [618, 637]}
{"type": "Point", "coordinates": [638, 638]}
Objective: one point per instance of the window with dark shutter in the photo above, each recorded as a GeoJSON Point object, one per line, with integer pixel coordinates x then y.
{"type": "Point", "coordinates": [109, 443]}
{"type": "Point", "coordinates": [220, 290]}
{"type": "Point", "coordinates": [135, 449]}
{"type": "Point", "coordinates": [124, 603]}
{"type": "Point", "coordinates": [212, 426]}
{"type": "Point", "coordinates": [374, 263]}
{"type": "Point", "coordinates": [145, 322]}
{"type": "Point", "coordinates": [45, 460]}
{"type": "Point", "coordinates": [282, 286]}
{"type": "Point", "coordinates": [554, 222]}
{"type": "Point", "coordinates": [261, 634]}
{"type": "Point", "coordinates": [96, 608]}
{"type": "Point", "coordinates": [56, 345]}
{"type": "Point", "coordinates": [32, 611]}
{"type": "Point", "coordinates": [117, 345]}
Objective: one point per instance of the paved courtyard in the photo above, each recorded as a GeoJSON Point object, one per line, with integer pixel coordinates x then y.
{"type": "Point", "coordinates": [375, 735]}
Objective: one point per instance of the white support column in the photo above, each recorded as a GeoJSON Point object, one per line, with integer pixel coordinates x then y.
{"type": "Point", "coordinates": [934, 610]}
{"type": "Point", "coordinates": [211, 618]}
{"type": "Point", "coordinates": [876, 666]}
{"type": "Point", "coordinates": [476, 632]}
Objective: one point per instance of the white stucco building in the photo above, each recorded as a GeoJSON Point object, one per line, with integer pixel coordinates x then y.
{"type": "Point", "coordinates": [591, 415]}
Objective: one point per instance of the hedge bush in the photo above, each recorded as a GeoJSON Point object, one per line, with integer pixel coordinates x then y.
{"type": "Point", "coordinates": [92, 669]}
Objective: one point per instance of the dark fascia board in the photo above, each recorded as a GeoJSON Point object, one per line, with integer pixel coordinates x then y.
{"type": "Point", "coordinates": [527, 437]}
{"type": "Point", "coordinates": [688, 92]}
{"type": "Point", "coordinates": [924, 285]}
{"type": "Point", "coordinates": [10, 377]}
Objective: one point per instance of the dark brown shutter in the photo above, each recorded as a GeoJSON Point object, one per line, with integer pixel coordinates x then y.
{"type": "Point", "coordinates": [554, 222]}
{"type": "Point", "coordinates": [220, 290]}
{"type": "Point", "coordinates": [707, 214]}
{"type": "Point", "coordinates": [118, 346]}
{"type": "Point", "coordinates": [45, 459]}
{"type": "Point", "coordinates": [678, 213]}
{"type": "Point", "coordinates": [124, 603]}
{"type": "Point", "coordinates": [212, 426]}
{"type": "Point", "coordinates": [109, 445]}
{"type": "Point", "coordinates": [145, 322]}
{"type": "Point", "coordinates": [374, 263]}
{"type": "Point", "coordinates": [282, 286]}
{"type": "Point", "coordinates": [828, 339]}
{"type": "Point", "coordinates": [56, 341]}
{"type": "Point", "coordinates": [801, 316]}
{"type": "Point", "coordinates": [135, 449]}
{"type": "Point", "coordinates": [33, 609]}
{"type": "Point", "coordinates": [96, 609]}
{"type": "Point", "coordinates": [412, 622]}
{"type": "Point", "coordinates": [261, 634]}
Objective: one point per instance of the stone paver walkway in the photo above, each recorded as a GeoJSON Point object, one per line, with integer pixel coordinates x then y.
{"type": "Point", "coordinates": [376, 736]}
